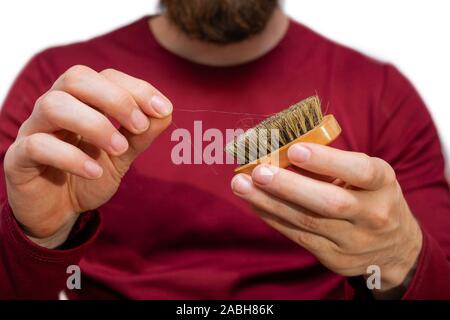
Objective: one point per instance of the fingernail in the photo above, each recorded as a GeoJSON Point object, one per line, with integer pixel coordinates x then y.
{"type": "Point", "coordinates": [161, 105]}
{"type": "Point", "coordinates": [241, 184]}
{"type": "Point", "coordinates": [139, 120]}
{"type": "Point", "coordinates": [263, 174]}
{"type": "Point", "coordinates": [299, 153]}
{"type": "Point", "coordinates": [119, 143]}
{"type": "Point", "coordinates": [92, 169]}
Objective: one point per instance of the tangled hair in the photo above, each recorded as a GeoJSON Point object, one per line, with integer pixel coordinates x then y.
{"type": "Point", "coordinates": [219, 21]}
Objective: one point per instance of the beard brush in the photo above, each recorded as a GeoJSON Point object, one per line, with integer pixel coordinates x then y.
{"type": "Point", "coordinates": [269, 141]}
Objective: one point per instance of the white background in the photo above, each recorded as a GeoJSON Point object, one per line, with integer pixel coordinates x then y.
{"type": "Point", "coordinates": [413, 34]}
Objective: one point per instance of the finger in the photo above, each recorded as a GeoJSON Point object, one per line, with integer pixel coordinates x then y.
{"type": "Point", "coordinates": [152, 102]}
{"type": "Point", "coordinates": [332, 229]}
{"type": "Point", "coordinates": [354, 168]}
{"type": "Point", "coordinates": [95, 90]}
{"type": "Point", "coordinates": [312, 175]}
{"type": "Point", "coordinates": [149, 99]}
{"type": "Point", "coordinates": [139, 143]}
{"type": "Point", "coordinates": [58, 110]}
{"type": "Point", "coordinates": [314, 243]}
{"type": "Point", "coordinates": [320, 197]}
{"type": "Point", "coordinates": [45, 149]}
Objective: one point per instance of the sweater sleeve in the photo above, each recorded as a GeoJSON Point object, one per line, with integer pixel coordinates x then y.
{"type": "Point", "coordinates": [405, 136]}
{"type": "Point", "coordinates": [27, 270]}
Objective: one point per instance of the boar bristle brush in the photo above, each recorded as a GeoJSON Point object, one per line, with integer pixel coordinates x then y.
{"type": "Point", "coordinates": [269, 141]}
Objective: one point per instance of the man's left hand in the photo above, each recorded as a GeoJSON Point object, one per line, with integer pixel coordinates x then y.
{"type": "Point", "coordinates": [344, 207]}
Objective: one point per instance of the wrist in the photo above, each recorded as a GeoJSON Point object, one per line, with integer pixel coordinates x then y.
{"type": "Point", "coordinates": [56, 239]}
{"type": "Point", "coordinates": [397, 274]}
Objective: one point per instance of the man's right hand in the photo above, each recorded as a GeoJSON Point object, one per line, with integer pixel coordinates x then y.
{"type": "Point", "coordinates": [69, 158]}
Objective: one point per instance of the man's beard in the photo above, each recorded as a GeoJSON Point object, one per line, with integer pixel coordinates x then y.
{"type": "Point", "coordinates": [219, 21]}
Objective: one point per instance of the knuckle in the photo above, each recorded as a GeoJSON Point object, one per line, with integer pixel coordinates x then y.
{"type": "Point", "coordinates": [102, 125]}
{"type": "Point", "coordinates": [143, 88]}
{"type": "Point", "coordinates": [9, 159]}
{"type": "Point", "coordinates": [94, 129]}
{"type": "Point", "coordinates": [74, 75]}
{"type": "Point", "coordinates": [269, 205]}
{"type": "Point", "coordinates": [108, 71]}
{"type": "Point", "coordinates": [32, 145]}
{"type": "Point", "coordinates": [98, 123]}
{"type": "Point", "coordinates": [123, 99]}
{"type": "Point", "coordinates": [23, 127]}
{"type": "Point", "coordinates": [308, 222]}
{"type": "Point", "coordinates": [78, 70]}
{"type": "Point", "coordinates": [390, 175]}
{"type": "Point", "coordinates": [337, 204]}
{"type": "Point", "coordinates": [46, 104]}
{"type": "Point", "coordinates": [265, 204]}
{"type": "Point", "coordinates": [368, 170]}
{"type": "Point", "coordinates": [381, 218]}
{"type": "Point", "coordinates": [304, 239]}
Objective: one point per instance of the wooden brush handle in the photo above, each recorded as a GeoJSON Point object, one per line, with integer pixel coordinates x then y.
{"type": "Point", "coordinates": [325, 133]}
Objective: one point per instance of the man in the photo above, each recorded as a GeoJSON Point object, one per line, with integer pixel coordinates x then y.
{"type": "Point", "coordinates": [86, 143]}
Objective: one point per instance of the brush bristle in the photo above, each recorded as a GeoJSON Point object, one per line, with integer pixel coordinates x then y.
{"type": "Point", "coordinates": [276, 131]}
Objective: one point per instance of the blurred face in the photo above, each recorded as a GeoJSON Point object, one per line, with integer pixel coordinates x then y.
{"type": "Point", "coordinates": [219, 21]}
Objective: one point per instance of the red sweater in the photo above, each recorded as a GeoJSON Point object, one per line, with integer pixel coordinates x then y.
{"type": "Point", "coordinates": [177, 231]}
